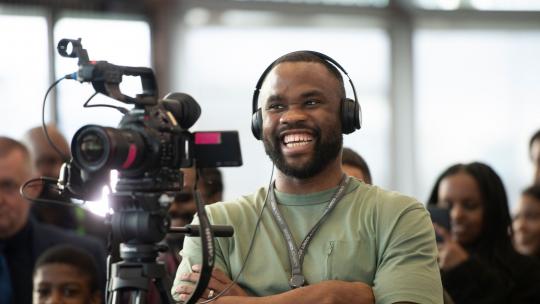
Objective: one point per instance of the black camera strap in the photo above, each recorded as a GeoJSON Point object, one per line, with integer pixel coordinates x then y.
{"type": "Point", "coordinates": [296, 255]}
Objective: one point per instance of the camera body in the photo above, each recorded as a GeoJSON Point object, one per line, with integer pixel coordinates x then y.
{"type": "Point", "coordinates": [148, 149]}
{"type": "Point", "coordinates": [152, 141]}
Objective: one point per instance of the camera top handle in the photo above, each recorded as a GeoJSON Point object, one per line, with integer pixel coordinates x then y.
{"type": "Point", "coordinates": [106, 77]}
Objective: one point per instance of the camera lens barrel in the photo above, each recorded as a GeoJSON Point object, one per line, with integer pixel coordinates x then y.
{"type": "Point", "coordinates": [97, 148]}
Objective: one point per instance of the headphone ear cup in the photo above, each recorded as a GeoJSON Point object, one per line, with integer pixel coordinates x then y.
{"type": "Point", "coordinates": [256, 124]}
{"type": "Point", "coordinates": [350, 116]}
{"type": "Point", "coordinates": [358, 115]}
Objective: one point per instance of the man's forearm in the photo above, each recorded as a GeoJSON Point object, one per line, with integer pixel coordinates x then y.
{"type": "Point", "coordinates": [330, 292]}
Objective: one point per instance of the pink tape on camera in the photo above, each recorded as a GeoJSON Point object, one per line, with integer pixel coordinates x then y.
{"type": "Point", "coordinates": [132, 154]}
{"type": "Point", "coordinates": [207, 138]}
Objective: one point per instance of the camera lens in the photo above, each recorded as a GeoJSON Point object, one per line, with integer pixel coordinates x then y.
{"type": "Point", "coordinates": [92, 147]}
{"type": "Point", "coordinates": [95, 148]}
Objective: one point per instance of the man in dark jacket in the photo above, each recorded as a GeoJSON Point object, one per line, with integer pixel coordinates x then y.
{"type": "Point", "coordinates": [22, 238]}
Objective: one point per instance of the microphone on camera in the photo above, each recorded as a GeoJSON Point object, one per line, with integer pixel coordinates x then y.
{"type": "Point", "coordinates": [183, 107]}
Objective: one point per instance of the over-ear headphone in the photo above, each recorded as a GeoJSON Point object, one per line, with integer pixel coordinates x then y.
{"type": "Point", "coordinates": [351, 114]}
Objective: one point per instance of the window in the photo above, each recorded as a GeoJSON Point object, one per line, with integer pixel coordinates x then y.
{"type": "Point", "coordinates": [478, 98]}
{"type": "Point", "coordinates": [104, 39]}
{"type": "Point", "coordinates": [376, 3]}
{"type": "Point", "coordinates": [24, 72]}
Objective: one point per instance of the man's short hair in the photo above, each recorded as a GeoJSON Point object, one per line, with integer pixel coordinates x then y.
{"type": "Point", "coordinates": [35, 138]}
{"type": "Point", "coordinates": [535, 137]}
{"type": "Point", "coordinates": [306, 56]}
{"type": "Point", "coordinates": [73, 256]}
{"type": "Point", "coordinates": [8, 145]}
{"type": "Point", "coordinates": [351, 158]}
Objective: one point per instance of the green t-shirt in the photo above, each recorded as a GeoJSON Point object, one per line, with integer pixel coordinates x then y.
{"type": "Point", "coordinates": [381, 238]}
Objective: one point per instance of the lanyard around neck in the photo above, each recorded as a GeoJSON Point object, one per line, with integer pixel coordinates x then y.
{"type": "Point", "coordinates": [296, 255]}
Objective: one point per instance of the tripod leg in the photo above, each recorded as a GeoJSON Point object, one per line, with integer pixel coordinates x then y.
{"type": "Point", "coordinates": [113, 298]}
{"type": "Point", "coordinates": [164, 289]}
{"type": "Point", "coordinates": [132, 296]}
{"type": "Point", "coordinates": [138, 296]}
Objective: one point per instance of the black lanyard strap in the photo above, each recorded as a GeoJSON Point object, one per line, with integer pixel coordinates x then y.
{"type": "Point", "coordinates": [296, 255]}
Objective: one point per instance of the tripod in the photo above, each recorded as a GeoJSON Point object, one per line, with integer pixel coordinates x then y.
{"type": "Point", "coordinates": [131, 278]}
{"type": "Point", "coordinates": [139, 224]}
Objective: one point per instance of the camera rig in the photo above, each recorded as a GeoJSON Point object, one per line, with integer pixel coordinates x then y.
{"type": "Point", "coordinates": [148, 149]}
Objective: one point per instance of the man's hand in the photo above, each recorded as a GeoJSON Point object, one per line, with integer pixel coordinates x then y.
{"type": "Point", "coordinates": [217, 284]}
{"type": "Point", "coordinates": [323, 292]}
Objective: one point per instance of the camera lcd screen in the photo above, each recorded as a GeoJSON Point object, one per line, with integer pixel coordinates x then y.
{"type": "Point", "coordinates": [217, 149]}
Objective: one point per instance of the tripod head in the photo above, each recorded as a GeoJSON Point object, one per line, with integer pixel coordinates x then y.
{"type": "Point", "coordinates": [139, 223]}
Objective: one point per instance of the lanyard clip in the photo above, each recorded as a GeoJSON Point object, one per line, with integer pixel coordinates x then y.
{"type": "Point", "coordinates": [297, 280]}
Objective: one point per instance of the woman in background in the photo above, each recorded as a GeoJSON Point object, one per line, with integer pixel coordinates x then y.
{"type": "Point", "coordinates": [478, 263]}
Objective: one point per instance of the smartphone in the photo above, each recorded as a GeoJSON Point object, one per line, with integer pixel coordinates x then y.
{"type": "Point", "coordinates": [441, 217]}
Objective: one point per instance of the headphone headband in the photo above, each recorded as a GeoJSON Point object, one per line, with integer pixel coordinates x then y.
{"type": "Point", "coordinates": [322, 56]}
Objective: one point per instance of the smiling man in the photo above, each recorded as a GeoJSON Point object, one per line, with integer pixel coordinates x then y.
{"type": "Point", "coordinates": [319, 236]}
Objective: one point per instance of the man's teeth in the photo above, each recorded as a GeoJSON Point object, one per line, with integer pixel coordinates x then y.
{"type": "Point", "coordinates": [295, 140]}
{"type": "Point", "coordinates": [297, 144]}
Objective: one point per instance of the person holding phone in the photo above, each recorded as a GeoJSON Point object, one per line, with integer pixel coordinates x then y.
{"type": "Point", "coordinates": [478, 263]}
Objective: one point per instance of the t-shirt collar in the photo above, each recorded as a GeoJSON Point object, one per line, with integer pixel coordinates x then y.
{"type": "Point", "coordinates": [310, 198]}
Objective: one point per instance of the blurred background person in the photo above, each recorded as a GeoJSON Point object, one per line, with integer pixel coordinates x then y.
{"type": "Point", "coordinates": [478, 263]}
{"type": "Point", "coordinates": [534, 150]}
{"type": "Point", "coordinates": [48, 162]}
{"type": "Point", "coordinates": [527, 222]}
{"type": "Point", "coordinates": [65, 274]}
{"type": "Point", "coordinates": [354, 165]}
{"type": "Point", "coordinates": [210, 185]}
{"type": "Point", "coordinates": [22, 238]}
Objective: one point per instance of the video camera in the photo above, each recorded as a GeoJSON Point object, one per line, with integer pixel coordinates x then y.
{"type": "Point", "coordinates": [150, 145]}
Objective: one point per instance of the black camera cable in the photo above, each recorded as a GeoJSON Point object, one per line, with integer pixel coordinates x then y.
{"type": "Point", "coordinates": [43, 124]}
{"type": "Point", "coordinates": [47, 181]}
{"type": "Point", "coordinates": [85, 105]}
{"type": "Point", "coordinates": [124, 111]}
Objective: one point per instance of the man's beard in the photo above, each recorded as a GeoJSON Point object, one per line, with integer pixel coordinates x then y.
{"type": "Point", "coordinates": [326, 149]}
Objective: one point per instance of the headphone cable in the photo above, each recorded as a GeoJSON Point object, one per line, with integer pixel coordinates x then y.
{"type": "Point", "coordinates": [251, 243]}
